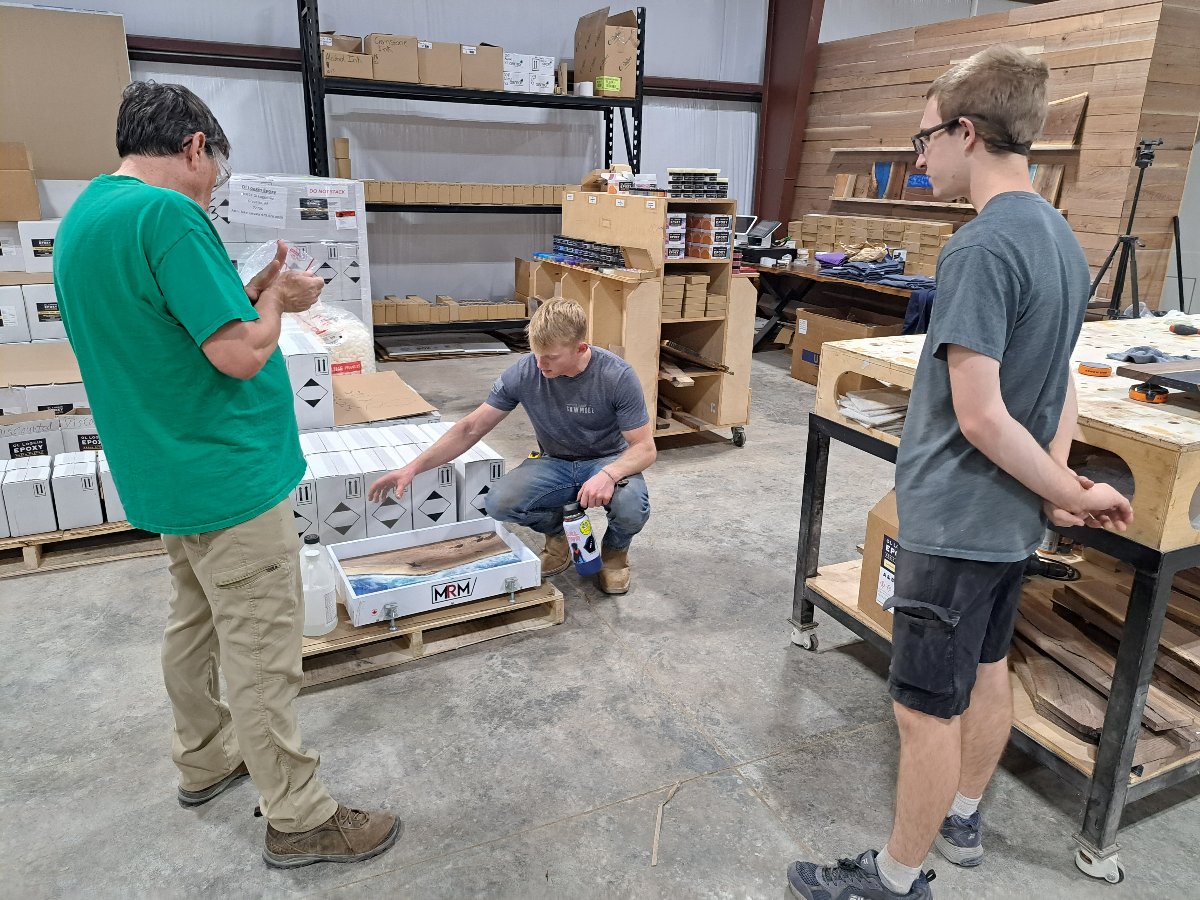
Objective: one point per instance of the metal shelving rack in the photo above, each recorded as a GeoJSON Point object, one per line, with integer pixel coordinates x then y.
{"type": "Point", "coordinates": [1113, 780]}
{"type": "Point", "coordinates": [317, 87]}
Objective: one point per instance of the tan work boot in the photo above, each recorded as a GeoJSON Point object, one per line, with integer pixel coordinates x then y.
{"type": "Point", "coordinates": [614, 577]}
{"type": "Point", "coordinates": [191, 799]}
{"type": "Point", "coordinates": [556, 557]}
{"type": "Point", "coordinates": [349, 835]}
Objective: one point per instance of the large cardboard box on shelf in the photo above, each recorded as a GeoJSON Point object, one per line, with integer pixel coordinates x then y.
{"type": "Point", "coordinates": [606, 49]}
{"type": "Point", "coordinates": [344, 64]}
{"type": "Point", "coordinates": [18, 191]}
{"type": "Point", "coordinates": [877, 585]}
{"type": "Point", "coordinates": [439, 63]}
{"type": "Point", "coordinates": [816, 326]}
{"type": "Point", "coordinates": [393, 57]}
{"type": "Point", "coordinates": [482, 67]}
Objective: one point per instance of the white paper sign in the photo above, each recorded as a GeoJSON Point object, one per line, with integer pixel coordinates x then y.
{"type": "Point", "coordinates": [253, 203]}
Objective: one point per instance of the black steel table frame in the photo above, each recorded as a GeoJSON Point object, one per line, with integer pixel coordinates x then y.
{"type": "Point", "coordinates": [1108, 789]}
{"type": "Point", "coordinates": [784, 294]}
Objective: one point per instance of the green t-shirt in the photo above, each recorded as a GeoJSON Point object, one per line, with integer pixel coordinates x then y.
{"type": "Point", "coordinates": [142, 281]}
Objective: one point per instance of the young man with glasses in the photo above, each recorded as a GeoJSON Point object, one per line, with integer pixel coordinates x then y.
{"type": "Point", "coordinates": [982, 465]}
{"type": "Point", "coordinates": [193, 405]}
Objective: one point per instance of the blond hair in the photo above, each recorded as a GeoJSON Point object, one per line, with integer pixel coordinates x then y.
{"type": "Point", "coordinates": [1002, 90]}
{"type": "Point", "coordinates": [556, 323]}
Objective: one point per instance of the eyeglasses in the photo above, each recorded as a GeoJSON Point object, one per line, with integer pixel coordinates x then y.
{"type": "Point", "coordinates": [920, 140]}
{"type": "Point", "coordinates": [224, 171]}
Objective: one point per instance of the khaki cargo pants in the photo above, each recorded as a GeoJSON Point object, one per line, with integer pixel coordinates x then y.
{"type": "Point", "coordinates": [238, 607]}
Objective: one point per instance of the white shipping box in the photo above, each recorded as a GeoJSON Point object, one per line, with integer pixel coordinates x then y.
{"type": "Point", "coordinates": [114, 510]}
{"type": "Point", "coordinates": [542, 65]}
{"type": "Point", "coordinates": [404, 435]}
{"type": "Point", "coordinates": [27, 498]}
{"type": "Point", "coordinates": [30, 435]}
{"type": "Point", "coordinates": [14, 321]}
{"type": "Point", "coordinates": [12, 257]}
{"type": "Point", "coordinates": [57, 398]}
{"type": "Point", "coordinates": [37, 244]}
{"type": "Point", "coordinates": [541, 83]}
{"type": "Point", "coordinates": [307, 362]}
{"type": "Point", "coordinates": [393, 515]}
{"type": "Point", "coordinates": [341, 497]}
{"type": "Point", "coordinates": [435, 592]}
{"type": "Point", "coordinates": [304, 506]}
{"type": "Point", "coordinates": [76, 490]}
{"type": "Point", "coordinates": [435, 497]}
{"type": "Point", "coordinates": [4, 532]}
{"type": "Point", "coordinates": [41, 312]}
{"type": "Point", "coordinates": [476, 472]}
{"type": "Point", "coordinates": [364, 438]}
{"type": "Point", "coordinates": [79, 432]}
{"type": "Point", "coordinates": [518, 63]}
{"type": "Point", "coordinates": [12, 401]}
{"type": "Point", "coordinates": [316, 442]}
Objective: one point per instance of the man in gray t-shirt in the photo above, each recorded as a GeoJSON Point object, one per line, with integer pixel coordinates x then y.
{"type": "Point", "coordinates": [594, 434]}
{"type": "Point", "coordinates": [982, 461]}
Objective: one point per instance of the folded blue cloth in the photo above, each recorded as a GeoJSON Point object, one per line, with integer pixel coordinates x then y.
{"type": "Point", "coordinates": [866, 271]}
{"type": "Point", "coordinates": [912, 282]}
{"type": "Point", "coordinates": [1143, 355]}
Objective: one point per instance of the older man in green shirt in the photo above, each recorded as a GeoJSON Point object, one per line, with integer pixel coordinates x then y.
{"type": "Point", "coordinates": [193, 405]}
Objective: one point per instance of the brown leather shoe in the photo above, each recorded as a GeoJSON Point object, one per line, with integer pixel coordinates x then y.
{"type": "Point", "coordinates": [614, 577]}
{"type": "Point", "coordinates": [556, 557]}
{"type": "Point", "coordinates": [349, 835]}
{"type": "Point", "coordinates": [192, 799]}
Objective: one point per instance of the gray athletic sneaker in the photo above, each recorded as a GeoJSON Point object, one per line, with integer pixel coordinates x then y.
{"type": "Point", "coordinates": [851, 878]}
{"type": "Point", "coordinates": [961, 840]}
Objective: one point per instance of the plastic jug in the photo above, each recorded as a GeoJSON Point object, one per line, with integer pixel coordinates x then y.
{"type": "Point", "coordinates": [320, 595]}
{"type": "Point", "coordinates": [584, 549]}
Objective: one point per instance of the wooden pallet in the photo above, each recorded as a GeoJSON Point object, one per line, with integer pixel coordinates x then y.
{"type": "Point", "coordinates": [348, 651]}
{"type": "Point", "coordinates": [54, 550]}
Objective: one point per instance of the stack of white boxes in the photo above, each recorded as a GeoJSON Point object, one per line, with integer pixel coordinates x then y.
{"type": "Point", "coordinates": [29, 312]}
{"type": "Point", "coordinates": [326, 216]}
{"type": "Point", "coordinates": [48, 493]}
{"type": "Point", "coordinates": [528, 74]}
{"type": "Point", "coordinates": [307, 361]}
{"type": "Point", "coordinates": [332, 502]}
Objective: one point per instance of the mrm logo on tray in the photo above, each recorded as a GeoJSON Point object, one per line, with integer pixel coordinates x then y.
{"type": "Point", "coordinates": [453, 591]}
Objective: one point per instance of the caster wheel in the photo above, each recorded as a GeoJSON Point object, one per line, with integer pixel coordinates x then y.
{"type": "Point", "coordinates": [739, 437]}
{"type": "Point", "coordinates": [806, 640]}
{"type": "Point", "coordinates": [1109, 868]}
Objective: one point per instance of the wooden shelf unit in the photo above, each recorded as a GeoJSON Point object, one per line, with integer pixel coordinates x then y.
{"type": "Point", "coordinates": [921, 204]}
{"type": "Point", "coordinates": [720, 399]}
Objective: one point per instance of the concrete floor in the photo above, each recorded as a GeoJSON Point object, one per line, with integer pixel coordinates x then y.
{"type": "Point", "coordinates": [534, 765]}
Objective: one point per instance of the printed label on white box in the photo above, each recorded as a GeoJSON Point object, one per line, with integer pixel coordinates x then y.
{"type": "Point", "coordinates": [253, 203]}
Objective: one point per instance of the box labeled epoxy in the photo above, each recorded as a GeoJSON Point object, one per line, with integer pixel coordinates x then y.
{"type": "Point", "coordinates": [30, 434]}
{"type": "Point", "coordinates": [304, 506]}
{"type": "Point", "coordinates": [41, 312]}
{"type": "Point", "coordinates": [14, 322]}
{"type": "Point", "coordinates": [370, 599]}
{"type": "Point", "coordinates": [341, 497]}
{"type": "Point", "coordinates": [37, 244]}
{"type": "Point", "coordinates": [79, 431]}
{"type": "Point", "coordinates": [76, 490]}
{"type": "Point", "coordinates": [28, 502]}
{"type": "Point", "coordinates": [307, 362]}
{"type": "Point", "coordinates": [393, 514]}
{"type": "Point", "coordinates": [114, 510]}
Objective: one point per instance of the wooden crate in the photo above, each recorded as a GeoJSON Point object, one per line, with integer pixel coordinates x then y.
{"type": "Point", "coordinates": [54, 550]}
{"type": "Point", "coordinates": [348, 651]}
{"type": "Point", "coordinates": [1160, 443]}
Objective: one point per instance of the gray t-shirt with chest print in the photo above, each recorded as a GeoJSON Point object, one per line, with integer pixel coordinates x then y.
{"type": "Point", "coordinates": [1012, 284]}
{"type": "Point", "coordinates": [580, 416]}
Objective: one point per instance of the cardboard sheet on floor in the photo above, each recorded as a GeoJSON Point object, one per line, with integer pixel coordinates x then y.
{"type": "Point", "coordinates": [358, 399]}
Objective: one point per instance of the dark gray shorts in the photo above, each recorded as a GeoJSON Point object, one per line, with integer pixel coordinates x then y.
{"type": "Point", "coordinates": [949, 616]}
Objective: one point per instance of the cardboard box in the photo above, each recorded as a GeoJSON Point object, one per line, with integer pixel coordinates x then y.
{"type": "Point", "coordinates": [79, 433]}
{"type": "Point", "coordinates": [517, 63]}
{"type": "Point", "coordinates": [341, 497]}
{"type": "Point", "coordinates": [439, 63]}
{"type": "Point", "coordinates": [476, 471]}
{"type": "Point", "coordinates": [428, 594]}
{"type": "Point", "coordinates": [114, 510]}
{"type": "Point", "coordinates": [4, 532]}
{"type": "Point", "coordinates": [434, 494]}
{"type": "Point", "coordinates": [29, 434]}
{"type": "Point", "coordinates": [344, 64]}
{"type": "Point", "coordinates": [815, 326]}
{"type": "Point", "coordinates": [710, 221]}
{"type": "Point", "coordinates": [55, 398]}
{"type": "Point", "coordinates": [313, 443]}
{"type": "Point", "coordinates": [482, 67]}
{"type": "Point", "coordinates": [334, 41]}
{"type": "Point", "coordinates": [541, 84]}
{"type": "Point", "coordinates": [542, 65]}
{"type": "Point", "coordinates": [28, 502]}
{"type": "Point", "coordinates": [37, 243]}
{"type": "Point", "coordinates": [341, 148]}
{"type": "Point", "coordinates": [12, 257]}
{"type": "Point", "coordinates": [18, 191]}
{"type": "Point", "coordinates": [516, 82]}
{"type": "Point", "coordinates": [307, 362]}
{"type": "Point", "coordinates": [378, 397]}
{"type": "Point", "coordinates": [707, 251]}
{"type": "Point", "coordinates": [41, 312]}
{"type": "Point", "coordinates": [342, 168]}
{"type": "Point", "coordinates": [393, 57]}
{"type": "Point", "coordinates": [606, 50]}
{"type": "Point", "coordinates": [877, 584]}
{"type": "Point", "coordinates": [14, 321]}
{"type": "Point", "coordinates": [304, 506]}
{"type": "Point", "coordinates": [76, 490]}
{"type": "Point", "coordinates": [391, 515]}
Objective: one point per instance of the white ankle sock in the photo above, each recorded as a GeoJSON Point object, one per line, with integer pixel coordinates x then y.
{"type": "Point", "coordinates": [964, 807]}
{"type": "Point", "coordinates": [895, 876]}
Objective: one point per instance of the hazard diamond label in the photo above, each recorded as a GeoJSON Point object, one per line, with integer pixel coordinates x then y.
{"type": "Point", "coordinates": [302, 523]}
{"type": "Point", "coordinates": [480, 501]}
{"type": "Point", "coordinates": [435, 506]}
{"type": "Point", "coordinates": [342, 519]}
{"type": "Point", "coordinates": [312, 392]}
{"type": "Point", "coordinates": [326, 272]}
{"type": "Point", "coordinates": [390, 512]}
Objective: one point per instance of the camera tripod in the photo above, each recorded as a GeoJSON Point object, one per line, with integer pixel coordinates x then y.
{"type": "Point", "coordinates": [1127, 243]}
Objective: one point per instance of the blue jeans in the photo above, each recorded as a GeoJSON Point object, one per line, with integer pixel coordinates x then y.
{"type": "Point", "coordinates": [535, 492]}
